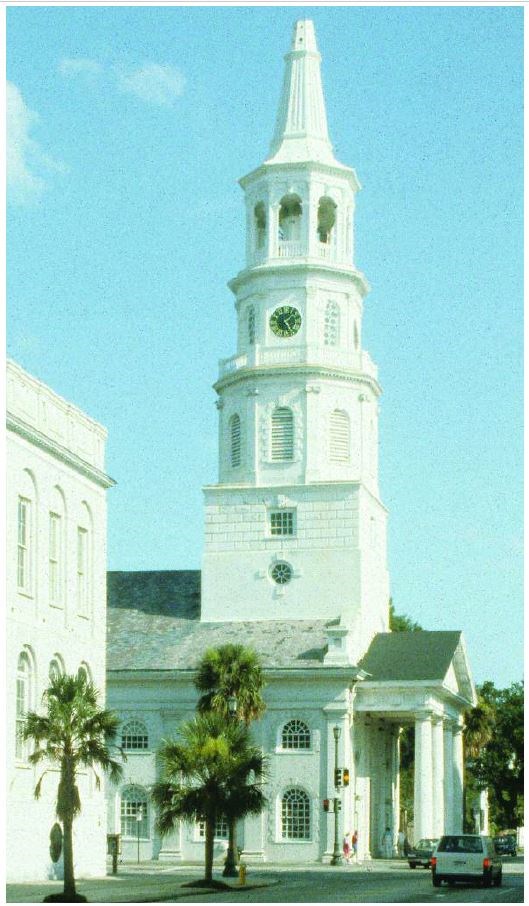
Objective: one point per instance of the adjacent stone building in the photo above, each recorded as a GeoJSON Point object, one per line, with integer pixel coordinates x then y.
{"type": "Point", "coordinates": [56, 600]}
{"type": "Point", "coordinates": [295, 543]}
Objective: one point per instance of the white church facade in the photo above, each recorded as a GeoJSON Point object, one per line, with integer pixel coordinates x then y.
{"type": "Point", "coordinates": [56, 602]}
{"type": "Point", "coordinates": [294, 559]}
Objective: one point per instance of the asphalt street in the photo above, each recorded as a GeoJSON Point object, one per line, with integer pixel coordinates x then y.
{"type": "Point", "coordinates": [376, 882]}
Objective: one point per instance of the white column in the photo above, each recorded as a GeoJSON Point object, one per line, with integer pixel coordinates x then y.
{"type": "Point", "coordinates": [423, 823]}
{"type": "Point", "coordinates": [448, 778]}
{"type": "Point", "coordinates": [458, 778]}
{"type": "Point", "coordinates": [438, 778]}
{"type": "Point", "coordinates": [363, 790]}
{"type": "Point", "coordinates": [396, 779]}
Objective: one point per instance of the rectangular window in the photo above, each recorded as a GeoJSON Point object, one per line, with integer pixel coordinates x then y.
{"type": "Point", "coordinates": [221, 829]}
{"type": "Point", "coordinates": [23, 552]}
{"type": "Point", "coordinates": [282, 522]}
{"type": "Point", "coordinates": [55, 558]}
{"type": "Point", "coordinates": [82, 571]}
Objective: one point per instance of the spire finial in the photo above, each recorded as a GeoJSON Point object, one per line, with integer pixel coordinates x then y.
{"type": "Point", "coordinates": [301, 132]}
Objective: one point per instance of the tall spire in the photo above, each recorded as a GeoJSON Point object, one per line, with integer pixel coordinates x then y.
{"type": "Point", "coordinates": [301, 132]}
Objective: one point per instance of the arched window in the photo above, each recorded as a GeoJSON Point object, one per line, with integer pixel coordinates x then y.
{"type": "Point", "coordinates": [326, 219]}
{"type": "Point", "coordinates": [259, 213]}
{"type": "Point", "coordinates": [84, 670]}
{"type": "Point", "coordinates": [56, 548]}
{"type": "Point", "coordinates": [282, 434]}
{"type": "Point", "coordinates": [290, 213]}
{"type": "Point", "coordinates": [295, 815]}
{"type": "Point", "coordinates": [56, 668]}
{"type": "Point", "coordinates": [339, 439]}
{"type": "Point", "coordinates": [331, 333]}
{"type": "Point", "coordinates": [251, 325]}
{"type": "Point", "coordinates": [134, 736]}
{"type": "Point", "coordinates": [23, 703]}
{"type": "Point", "coordinates": [295, 735]}
{"type": "Point", "coordinates": [235, 440]}
{"type": "Point", "coordinates": [135, 813]}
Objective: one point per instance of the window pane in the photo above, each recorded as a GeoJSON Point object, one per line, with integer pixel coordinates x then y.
{"type": "Point", "coordinates": [134, 813]}
{"type": "Point", "coordinates": [282, 522]}
{"type": "Point", "coordinates": [296, 735]}
{"type": "Point", "coordinates": [134, 736]}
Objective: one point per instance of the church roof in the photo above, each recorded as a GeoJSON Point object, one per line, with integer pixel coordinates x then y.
{"type": "Point", "coordinates": [408, 656]}
{"type": "Point", "coordinates": [153, 623]}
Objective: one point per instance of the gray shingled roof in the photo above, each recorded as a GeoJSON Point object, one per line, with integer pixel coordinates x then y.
{"type": "Point", "coordinates": [405, 656]}
{"type": "Point", "coordinates": [153, 624]}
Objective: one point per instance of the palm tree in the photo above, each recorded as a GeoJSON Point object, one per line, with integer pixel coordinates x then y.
{"type": "Point", "coordinates": [74, 733]}
{"type": "Point", "coordinates": [231, 671]}
{"type": "Point", "coordinates": [478, 731]}
{"type": "Point", "coordinates": [211, 770]}
{"type": "Point", "coordinates": [231, 674]}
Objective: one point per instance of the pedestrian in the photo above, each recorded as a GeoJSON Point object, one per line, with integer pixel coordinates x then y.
{"type": "Point", "coordinates": [406, 847]}
{"type": "Point", "coordinates": [401, 836]}
{"type": "Point", "coordinates": [387, 844]}
{"type": "Point", "coordinates": [354, 845]}
{"type": "Point", "coordinates": [346, 846]}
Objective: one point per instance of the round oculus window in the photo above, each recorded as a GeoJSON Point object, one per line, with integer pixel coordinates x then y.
{"type": "Point", "coordinates": [281, 573]}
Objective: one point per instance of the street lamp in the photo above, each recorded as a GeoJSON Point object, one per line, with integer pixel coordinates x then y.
{"type": "Point", "coordinates": [337, 855]}
{"type": "Point", "coordinates": [230, 867]}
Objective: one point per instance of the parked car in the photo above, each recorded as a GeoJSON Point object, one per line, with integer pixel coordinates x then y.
{"type": "Point", "coordinates": [505, 844]}
{"type": "Point", "coordinates": [466, 857]}
{"type": "Point", "coordinates": [422, 853]}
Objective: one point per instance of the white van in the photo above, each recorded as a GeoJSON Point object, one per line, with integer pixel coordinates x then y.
{"type": "Point", "coordinates": [466, 857]}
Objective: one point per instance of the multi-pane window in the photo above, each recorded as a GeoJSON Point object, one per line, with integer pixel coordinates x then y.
{"type": "Point", "coordinates": [235, 440]}
{"type": "Point", "coordinates": [134, 813]}
{"type": "Point", "coordinates": [295, 735]}
{"type": "Point", "coordinates": [331, 333]}
{"type": "Point", "coordinates": [295, 815]}
{"type": "Point", "coordinates": [339, 439]}
{"type": "Point", "coordinates": [282, 434]}
{"type": "Point", "coordinates": [282, 522]}
{"type": "Point", "coordinates": [221, 829]}
{"type": "Point", "coordinates": [24, 536]}
{"type": "Point", "coordinates": [82, 571]}
{"type": "Point", "coordinates": [251, 325]}
{"type": "Point", "coordinates": [23, 704]}
{"type": "Point", "coordinates": [134, 736]}
{"type": "Point", "coordinates": [55, 557]}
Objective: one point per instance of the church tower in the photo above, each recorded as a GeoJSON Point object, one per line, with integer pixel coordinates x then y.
{"type": "Point", "coordinates": [295, 529]}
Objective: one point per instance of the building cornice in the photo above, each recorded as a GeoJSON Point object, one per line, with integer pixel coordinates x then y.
{"type": "Point", "coordinates": [310, 370]}
{"type": "Point", "coordinates": [18, 426]}
{"type": "Point", "coordinates": [294, 266]}
{"type": "Point", "coordinates": [308, 166]}
{"type": "Point", "coordinates": [284, 489]}
{"type": "Point", "coordinates": [348, 672]}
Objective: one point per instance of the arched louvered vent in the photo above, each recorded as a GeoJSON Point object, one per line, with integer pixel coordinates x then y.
{"type": "Point", "coordinates": [331, 332]}
{"type": "Point", "coordinates": [235, 437]}
{"type": "Point", "coordinates": [282, 439]}
{"type": "Point", "coordinates": [339, 449]}
{"type": "Point", "coordinates": [251, 325]}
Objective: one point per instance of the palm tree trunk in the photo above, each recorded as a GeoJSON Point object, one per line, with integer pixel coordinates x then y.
{"type": "Point", "coordinates": [210, 838]}
{"type": "Point", "coordinates": [230, 870]}
{"type": "Point", "coordinates": [69, 879]}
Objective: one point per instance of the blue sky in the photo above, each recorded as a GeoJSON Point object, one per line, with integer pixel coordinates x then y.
{"type": "Point", "coordinates": [129, 127]}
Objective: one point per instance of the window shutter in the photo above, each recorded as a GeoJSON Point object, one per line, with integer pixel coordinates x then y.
{"type": "Point", "coordinates": [282, 446]}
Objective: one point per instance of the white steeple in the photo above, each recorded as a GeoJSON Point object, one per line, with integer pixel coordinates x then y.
{"type": "Point", "coordinates": [301, 132]}
{"type": "Point", "coordinates": [295, 528]}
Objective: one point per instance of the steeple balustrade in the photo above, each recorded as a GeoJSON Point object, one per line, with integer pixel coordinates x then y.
{"type": "Point", "coordinates": [314, 355]}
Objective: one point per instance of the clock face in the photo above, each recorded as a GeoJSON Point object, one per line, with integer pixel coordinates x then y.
{"type": "Point", "coordinates": [285, 321]}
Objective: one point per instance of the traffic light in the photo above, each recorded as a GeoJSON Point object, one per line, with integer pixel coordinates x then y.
{"type": "Point", "coordinates": [337, 777]}
{"type": "Point", "coordinates": [326, 805]}
{"type": "Point", "coordinates": [345, 775]}
{"type": "Point", "coordinates": [338, 804]}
